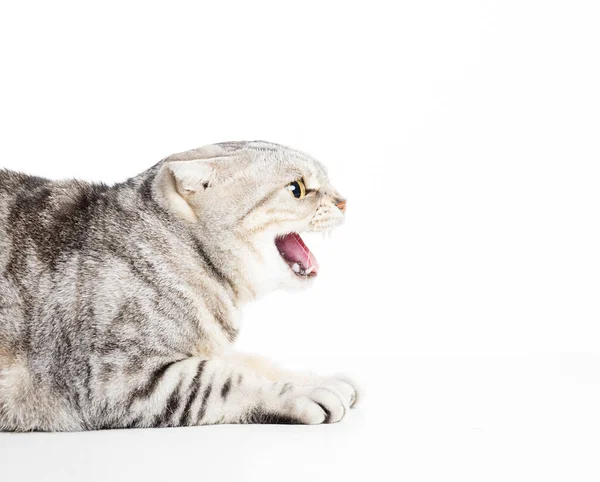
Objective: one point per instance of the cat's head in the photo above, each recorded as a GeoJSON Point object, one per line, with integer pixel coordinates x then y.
{"type": "Point", "coordinates": [248, 203]}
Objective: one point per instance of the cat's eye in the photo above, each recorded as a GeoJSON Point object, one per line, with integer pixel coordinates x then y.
{"type": "Point", "coordinates": [297, 188]}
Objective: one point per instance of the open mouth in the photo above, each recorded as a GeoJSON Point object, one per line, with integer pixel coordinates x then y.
{"type": "Point", "coordinates": [297, 255]}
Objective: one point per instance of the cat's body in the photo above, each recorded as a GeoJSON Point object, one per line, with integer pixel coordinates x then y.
{"type": "Point", "coordinates": [119, 305]}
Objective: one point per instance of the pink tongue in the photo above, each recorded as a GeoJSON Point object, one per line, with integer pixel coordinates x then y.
{"type": "Point", "coordinates": [294, 250]}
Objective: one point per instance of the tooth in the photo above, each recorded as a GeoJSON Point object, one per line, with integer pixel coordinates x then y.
{"type": "Point", "coordinates": [295, 267]}
{"type": "Point", "coordinates": [310, 270]}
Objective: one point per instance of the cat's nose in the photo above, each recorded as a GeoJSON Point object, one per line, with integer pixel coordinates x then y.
{"type": "Point", "coordinates": [341, 204]}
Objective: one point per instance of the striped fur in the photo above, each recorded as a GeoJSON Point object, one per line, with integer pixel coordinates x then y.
{"type": "Point", "coordinates": [119, 305]}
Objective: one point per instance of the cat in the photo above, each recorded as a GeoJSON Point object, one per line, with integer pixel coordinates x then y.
{"type": "Point", "coordinates": [119, 304]}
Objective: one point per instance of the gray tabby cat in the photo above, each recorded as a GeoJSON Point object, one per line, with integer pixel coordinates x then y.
{"type": "Point", "coordinates": [119, 305]}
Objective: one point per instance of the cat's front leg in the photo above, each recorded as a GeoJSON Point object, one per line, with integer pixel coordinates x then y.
{"type": "Point", "coordinates": [345, 387]}
{"type": "Point", "coordinates": [198, 391]}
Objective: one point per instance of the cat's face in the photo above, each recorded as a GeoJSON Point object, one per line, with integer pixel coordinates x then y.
{"type": "Point", "coordinates": [249, 203]}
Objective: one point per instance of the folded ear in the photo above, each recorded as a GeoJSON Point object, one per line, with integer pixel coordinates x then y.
{"type": "Point", "coordinates": [178, 181]}
{"type": "Point", "coordinates": [182, 177]}
{"type": "Point", "coordinates": [194, 175]}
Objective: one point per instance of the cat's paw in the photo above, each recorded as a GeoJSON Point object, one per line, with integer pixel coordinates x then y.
{"type": "Point", "coordinates": [318, 405]}
{"type": "Point", "coordinates": [348, 390]}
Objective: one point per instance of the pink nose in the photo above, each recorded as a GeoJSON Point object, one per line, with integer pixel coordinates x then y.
{"type": "Point", "coordinates": [341, 205]}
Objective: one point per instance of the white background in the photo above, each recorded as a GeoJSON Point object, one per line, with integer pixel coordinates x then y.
{"type": "Point", "coordinates": [463, 289]}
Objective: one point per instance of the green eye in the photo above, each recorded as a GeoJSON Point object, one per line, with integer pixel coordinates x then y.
{"type": "Point", "coordinates": [297, 188]}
